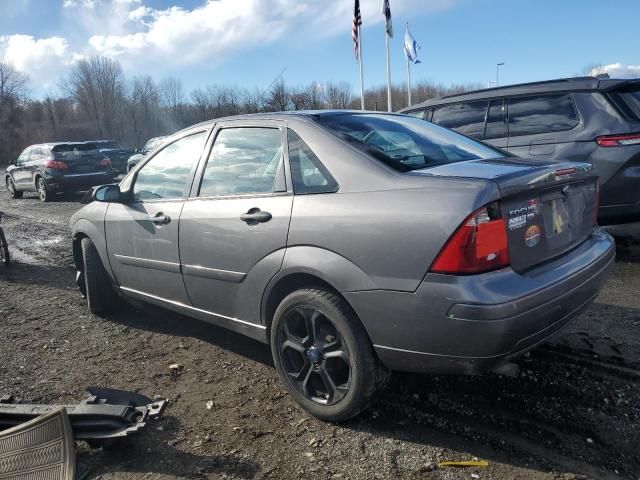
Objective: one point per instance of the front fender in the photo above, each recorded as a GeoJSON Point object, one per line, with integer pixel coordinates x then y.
{"type": "Point", "coordinates": [89, 222]}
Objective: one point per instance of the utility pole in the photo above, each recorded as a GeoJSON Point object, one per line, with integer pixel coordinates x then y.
{"type": "Point", "coordinates": [498, 65]}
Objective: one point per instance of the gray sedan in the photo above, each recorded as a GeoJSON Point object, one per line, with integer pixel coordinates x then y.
{"type": "Point", "coordinates": [353, 243]}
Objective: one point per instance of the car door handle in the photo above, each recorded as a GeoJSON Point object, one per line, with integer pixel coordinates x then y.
{"type": "Point", "coordinates": [255, 216]}
{"type": "Point", "coordinates": [161, 219]}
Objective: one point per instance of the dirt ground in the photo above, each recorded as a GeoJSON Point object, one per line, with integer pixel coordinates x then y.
{"type": "Point", "coordinates": [573, 412]}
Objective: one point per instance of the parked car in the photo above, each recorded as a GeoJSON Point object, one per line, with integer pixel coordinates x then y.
{"type": "Point", "coordinates": [588, 119]}
{"type": "Point", "coordinates": [115, 152]}
{"type": "Point", "coordinates": [148, 147]}
{"type": "Point", "coordinates": [353, 243]}
{"type": "Point", "coordinates": [51, 168]}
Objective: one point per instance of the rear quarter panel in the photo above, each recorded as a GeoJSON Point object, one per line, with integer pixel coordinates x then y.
{"type": "Point", "coordinates": [392, 236]}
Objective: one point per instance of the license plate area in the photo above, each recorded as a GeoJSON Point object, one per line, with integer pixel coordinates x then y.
{"type": "Point", "coordinates": [542, 225]}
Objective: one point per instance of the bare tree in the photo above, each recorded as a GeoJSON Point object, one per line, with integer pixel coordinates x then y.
{"type": "Point", "coordinates": [279, 97]}
{"type": "Point", "coordinates": [338, 95]}
{"type": "Point", "coordinates": [172, 98]}
{"type": "Point", "coordinates": [13, 88]}
{"type": "Point", "coordinates": [144, 109]}
{"type": "Point", "coordinates": [97, 85]}
{"type": "Point", "coordinates": [592, 69]}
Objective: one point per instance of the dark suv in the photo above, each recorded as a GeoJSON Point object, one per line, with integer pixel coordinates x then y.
{"type": "Point", "coordinates": [51, 168]}
{"type": "Point", "coordinates": [114, 152]}
{"type": "Point", "coordinates": [580, 119]}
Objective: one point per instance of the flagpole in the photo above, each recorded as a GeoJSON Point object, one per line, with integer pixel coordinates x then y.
{"type": "Point", "coordinates": [388, 75]}
{"type": "Point", "coordinates": [361, 67]}
{"type": "Point", "coordinates": [409, 80]}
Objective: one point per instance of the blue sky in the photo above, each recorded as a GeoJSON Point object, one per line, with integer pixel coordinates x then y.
{"type": "Point", "coordinates": [248, 42]}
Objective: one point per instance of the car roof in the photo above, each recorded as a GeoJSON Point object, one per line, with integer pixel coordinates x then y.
{"type": "Point", "coordinates": [547, 86]}
{"type": "Point", "coordinates": [294, 114]}
{"type": "Point", "coordinates": [55, 144]}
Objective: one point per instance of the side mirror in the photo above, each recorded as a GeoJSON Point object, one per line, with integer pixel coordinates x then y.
{"type": "Point", "coordinates": [107, 193]}
{"type": "Point", "coordinates": [13, 162]}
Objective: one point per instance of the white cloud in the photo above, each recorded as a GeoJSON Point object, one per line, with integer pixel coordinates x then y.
{"type": "Point", "coordinates": [222, 28]}
{"type": "Point", "coordinates": [42, 59]}
{"type": "Point", "coordinates": [79, 3]}
{"type": "Point", "coordinates": [141, 36]}
{"type": "Point", "coordinates": [618, 70]}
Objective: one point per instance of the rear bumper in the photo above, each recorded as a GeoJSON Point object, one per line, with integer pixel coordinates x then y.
{"type": "Point", "coordinates": [471, 324]}
{"type": "Point", "coordinates": [83, 181]}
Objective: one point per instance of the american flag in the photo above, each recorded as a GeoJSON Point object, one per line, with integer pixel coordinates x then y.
{"type": "Point", "coordinates": [386, 11]}
{"type": "Point", "coordinates": [355, 30]}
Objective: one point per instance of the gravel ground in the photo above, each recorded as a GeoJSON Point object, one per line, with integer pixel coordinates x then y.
{"type": "Point", "coordinates": [573, 411]}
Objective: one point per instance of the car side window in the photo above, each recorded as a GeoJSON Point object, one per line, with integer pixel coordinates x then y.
{"type": "Point", "coordinates": [24, 156]}
{"type": "Point", "coordinates": [243, 161]}
{"type": "Point", "coordinates": [165, 175]}
{"type": "Point", "coordinates": [36, 154]}
{"type": "Point", "coordinates": [466, 118]}
{"type": "Point", "coordinates": [541, 114]}
{"type": "Point", "coordinates": [496, 119]}
{"type": "Point", "coordinates": [309, 175]}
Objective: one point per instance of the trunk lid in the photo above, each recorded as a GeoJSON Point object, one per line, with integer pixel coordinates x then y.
{"type": "Point", "coordinates": [548, 207]}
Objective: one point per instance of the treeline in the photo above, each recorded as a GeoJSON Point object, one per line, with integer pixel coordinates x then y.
{"type": "Point", "coordinates": [97, 101]}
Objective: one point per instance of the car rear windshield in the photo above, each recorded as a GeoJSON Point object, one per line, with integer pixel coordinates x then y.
{"type": "Point", "coordinates": [629, 100]}
{"type": "Point", "coordinates": [405, 143]}
{"type": "Point", "coordinates": [74, 149]}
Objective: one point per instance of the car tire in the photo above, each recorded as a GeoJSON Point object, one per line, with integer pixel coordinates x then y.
{"type": "Point", "coordinates": [5, 258]}
{"type": "Point", "coordinates": [11, 187]}
{"type": "Point", "coordinates": [323, 355]}
{"type": "Point", "coordinates": [97, 287]}
{"type": "Point", "coordinates": [44, 194]}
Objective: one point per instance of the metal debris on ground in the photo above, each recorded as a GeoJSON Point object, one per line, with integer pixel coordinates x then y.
{"type": "Point", "coordinates": [104, 416]}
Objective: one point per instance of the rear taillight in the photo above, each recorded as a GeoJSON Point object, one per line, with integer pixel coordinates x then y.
{"type": "Point", "coordinates": [55, 165]}
{"type": "Point", "coordinates": [479, 245]}
{"type": "Point", "coordinates": [105, 162]}
{"type": "Point", "coordinates": [618, 140]}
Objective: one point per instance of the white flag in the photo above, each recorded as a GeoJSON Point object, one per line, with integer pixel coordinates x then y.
{"type": "Point", "coordinates": [411, 47]}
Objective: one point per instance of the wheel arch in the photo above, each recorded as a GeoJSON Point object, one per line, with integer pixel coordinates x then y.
{"type": "Point", "coordinates": [84, 228]}
{"type": "Point", "coordinates": [304, 267]}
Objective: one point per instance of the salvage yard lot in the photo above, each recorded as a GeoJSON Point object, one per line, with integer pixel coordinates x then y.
{"type": "Point", "coordinates": [573, 412]}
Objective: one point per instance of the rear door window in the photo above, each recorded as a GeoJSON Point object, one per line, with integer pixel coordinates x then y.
{"type": "Point", "coordinates": [309, 175]}
{"type": "Point", "coordinates": [496, 119]}
{"type": "Point", "coordinates": [467, 118]}
{"type": "Point", "coordinates": [535, 114]}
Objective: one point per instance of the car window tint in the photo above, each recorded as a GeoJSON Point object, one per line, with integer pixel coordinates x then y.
{"type": "Point", "coordinates": [628, 98]}
{"type": "Point", "coordinates": [466, 118]}
{"type": "Point", "coordinates": [309, 175]}
{"type": "Point", "coordinates": [165, 175]}
{"type": "Point", "coordinates": [541, 114]}
{"type": "Point", "coordinates": [405, 143]}
{"type": "Point", "coordinates": [242, 161]}
{"type": "Point", "coordinates": [496, 119]}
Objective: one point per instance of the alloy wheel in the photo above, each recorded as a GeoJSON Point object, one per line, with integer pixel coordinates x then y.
{"type": "Point", "coordinates": [11, 187]}
{"type": "Point", "coordinates": [42, 189]}
{"type": "Point", "coordinates": [314, 356]}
